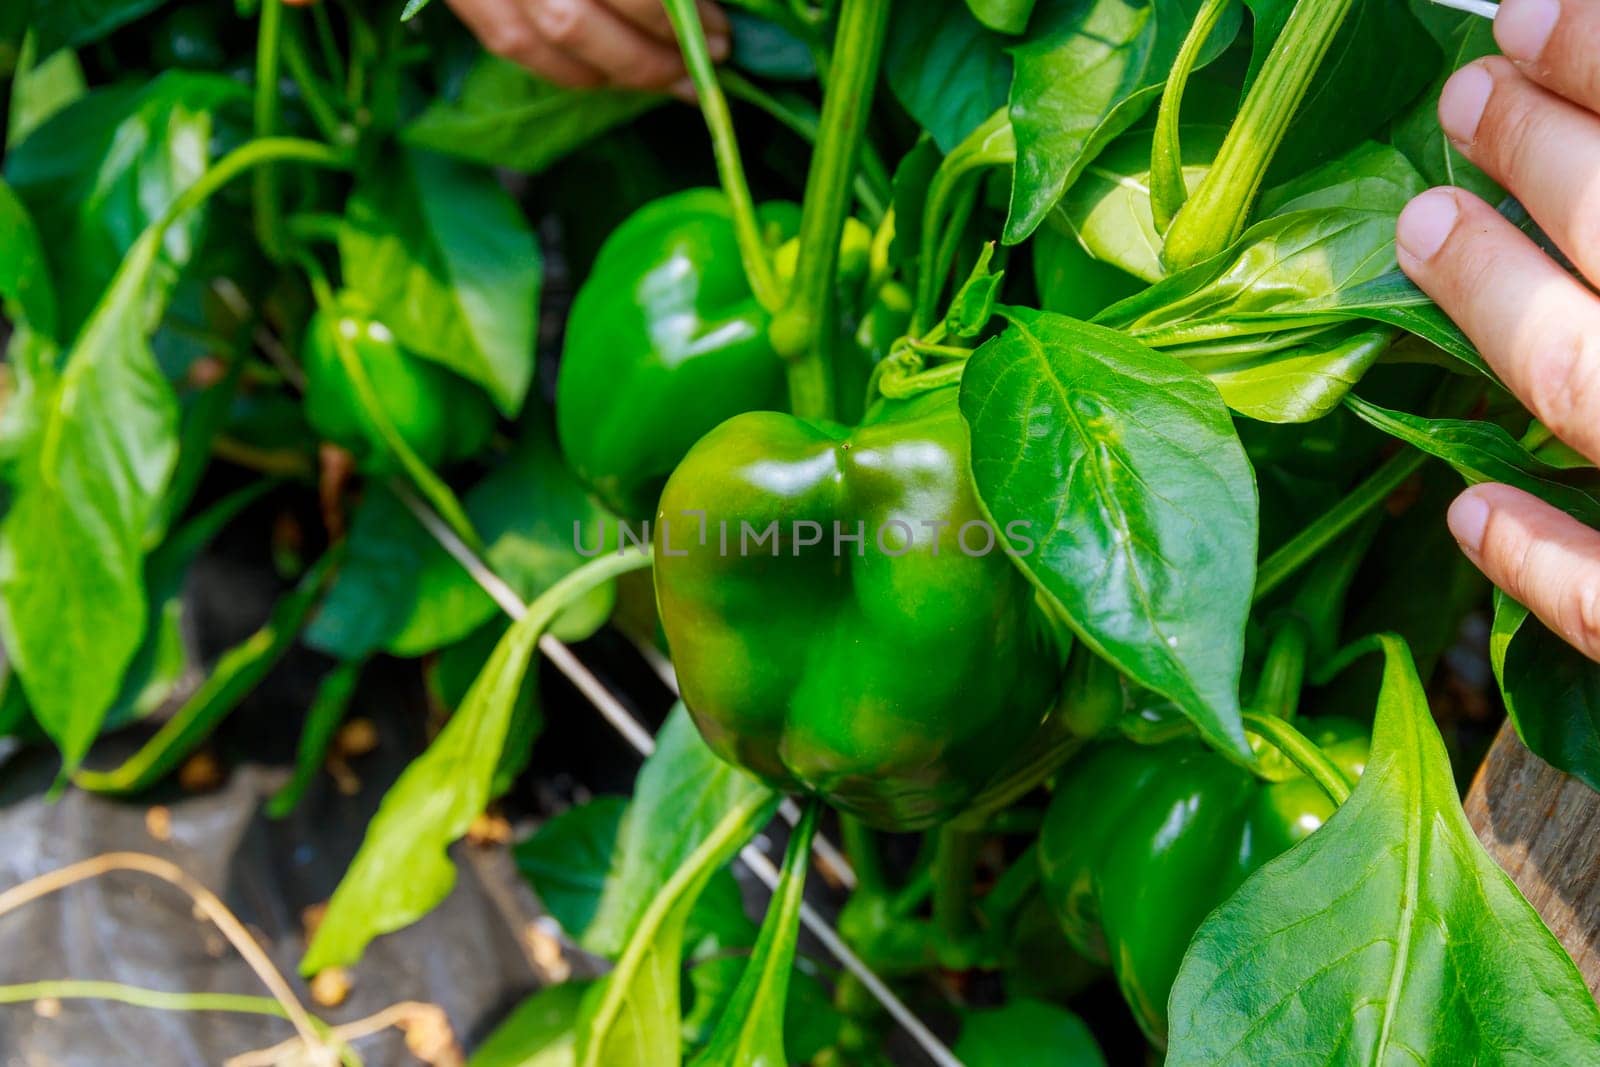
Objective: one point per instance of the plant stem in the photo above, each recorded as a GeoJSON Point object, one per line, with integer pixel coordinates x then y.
{"type": "Point", "coordinates": [1298, 750]}
{"type": "Point", "coordinates": [691, 33]}
{"type": "Point", "coordinates": [806, 331]}
{"type": "Point", "coordinates": [862, 848]}
{"type": "Point", "coordinates": [269, 41]}
{"type": "Point", "coordinates": [1167, 188]}
{"type": "Point", "coordinates": [328, 44]}
{"type": "Point", "coordinates": [1217, 213]}
{"type": "Point", "coordinates": [1284, 673]}
{"type": "Point", "coordinates": [322, 111]}
{"type": "Point", "coordinates": [1011, 892]}
{"type": "Point", "coordinates": [1304, 547]}
{"type": "Point", "coordinates": [955, 864]}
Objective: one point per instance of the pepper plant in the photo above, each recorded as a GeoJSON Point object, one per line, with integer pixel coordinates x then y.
{"type": "Point", "coordinates": [1039, 460]}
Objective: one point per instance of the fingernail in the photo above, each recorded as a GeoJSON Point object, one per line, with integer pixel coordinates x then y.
{"type": "Point", "coordinates": [1469, 517]}
{"type": "Point", "coordinates": [720, 46]}
{"type": "Point", "coordinates": [1463, 100]}
{"type": "Point", "coordinates": [555, 17]}
{"type": "Point", "coordinates": [1524, 27]}
{"type": "Point", "coordinates": [1427, 223]}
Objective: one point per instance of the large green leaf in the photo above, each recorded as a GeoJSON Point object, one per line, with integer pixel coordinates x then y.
{"type": "Point", "coordinates": [1027, 1033]}
{"type": "Point", "coordinates": [945, 68]}
{"type": "Point", "coordinates": [100, 445]}
{"type": "Point", "coordinates": [1125, 465]}
{"type": "Point", "coordinates": [505, 117]}
{"type": "Point", "coordinates": [1087, 71]}
{"type": "Point", "coordinates": [691, 813]}
{"type": "Point", "coordinates": [70, 23]}
{"type": "Point", "coordinates": [100, 170]}
{"type": "Point", "coordinates": [541, 1032]}
{"type": "Point", "coordinates": [402, 870]}
{"type": "Point", "coordinates": [1552, 691]}
{"type": "Point", "coordinates": [1387, 936]}
{"type": "Point", "coordinates": [400, 592]}
{"type": "Point", "coordinates": [451, 266]}
{"type": "Point", "coordinates": [1418, 132]}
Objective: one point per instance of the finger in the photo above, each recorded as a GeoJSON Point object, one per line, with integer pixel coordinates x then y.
{"type": "Point", "coordinates": [1555, 43]}
{"type": "Point", "coordinates": [1545, 559]}
{"type": "Point", "coordinates": [1546, 150]}
{"type": "Point", "coordinates": [1537, 326]}
{"type": "Point", "coordinates": [651, 17]}
{"type": "Point", "coordinates": [598, 36]}
{"type": "Point", "coordinates": [508, 32]}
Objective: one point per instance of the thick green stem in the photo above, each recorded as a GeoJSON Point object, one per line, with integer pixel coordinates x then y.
{"type": "Point", "coordinates": [862, 849]}
{"type": "Point", "coordinates": [1284, 673]}
{"type": "Point", "coordinates": [269, 42]}
{"type": "Point", "coordinates": [1217, 213]}
{"type": "Point", "coordinates": [1308, 543]}
{"type": "Point", "coordinates": [1298, 750]}
{"type": "Point", "coordinates": [322, 110]}
{"type": "Point", "coordinates": [1167, 188]}
{"type": "Point", "coordinates": [955, 866]}
{"type": "Point", "coordinates": [806, 331]}
{"type": "Point", "coordinates": [725, 145]}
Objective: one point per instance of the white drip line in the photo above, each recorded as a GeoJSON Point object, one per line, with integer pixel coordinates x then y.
{"type": "Point", "coordinates": [1472, 7]}
{"type": "Point", "coordinates": [632, 731]}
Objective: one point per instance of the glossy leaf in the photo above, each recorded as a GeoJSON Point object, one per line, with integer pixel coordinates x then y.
{"type": "Point", "coordinates": [42, 89]}
{"type": "Point", "coordinates": [1388, 935]}
{"type": "Point", "coordinates": [25, 289]}
{"type": "Point", "coordinates": [683, 793]}
{"type": "Point", "coordinates": [1072, 282]}
{"type": "Point", "coordinates": [450, 265]}
{"type": "Point", "coordinates": [1418, 133]}
{"type": "Point", "coordinates": [1126, 466]}
{"type": "Point", "coordinates": [1481, 452]}
{"type": "Point", "coordinates": [541, 1032]}
{"type": "Point", "coordinates": [1551, 690]}
{"type": "Point", "coordinates": [1027, 1033]}
{"type": "Point", "coordinates": [505, 117]}
{"type": "Point", "coordinates": [1087, 71]}
{"type": "Point", "coordinates": [402, 870]}
{"type": "Point", "coordinates": [567, 859]}
{"type": "Point", "coordinates": [101, 170]}
{"type": "Point", "coordinates": [101, 446]}
{"type": "Point", "coordinates": [945, 68]}
{"type": "Point", "coordinates": [400, 592]}
{"type": "Point", "coordinates": [751, 1033]}
{"type": "Point", "coordinates": [690, 815]}
{"type": "Point", "coordinates": [1003, 16]}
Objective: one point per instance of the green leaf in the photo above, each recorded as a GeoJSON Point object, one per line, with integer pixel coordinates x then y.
{"type": "Point", "coordinates": [1551, 690]}
{"type": "Point", "coordinates": [683, 794]}
{"type": "Point", "coordinates": [402, 870]}
{"type": "Point", "coordinates": [236, 675]}
{"type": "Point", "coordinates": [1003, 16]}
{"type": "Point", "coordinates": [1126, 468]}
{"type": "Point", "coordinates": [70, 23]}
{"type": "Point", "coordinates": [89, 477]}
{"type": "Point", "coordinates": [1087, 72]}
{"type": "Point", "coordinates": [25, 290]}
{"type": "Point", "coordinates": [974, 304]}
{"type": "Point", "coordinates": [1418, 133]}
{"type": "Point", "coordinates": [567, 859]}
{"type": "Point", "coordinates": [449, 264]}
{"type": "Point", "coordinates": [327, 711]}
{"type": "Point", "coordinates": [945, 68]}
{"type": "Point", "coordinates": [102, 169]}
{"type": "Point", "coordinates": [1072, 282]}
{"type": "Point", "coordinates": [690, 815]}
{"type": "Point", "coordinates": [400, 592]}
{"type": "Point", "coordinates": [42, 89]}
{"type": "Point", "coordinates": [1481, 452]}
{"type": "Point", "coordinates": [1027, 1033]}
{"type": "Point", "coordinates": [751, 1033]}
{"type": "Point", "coordinates": [541, 1032]}
{"type": "Point", "coordinates": [506, 117]}
{"type": "Point", "coordinates": [1388, 935]}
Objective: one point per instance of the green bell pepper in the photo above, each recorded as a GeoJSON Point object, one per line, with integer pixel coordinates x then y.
{"type": "Point", "coordinates": [1142, 842]}
{"type": "Point", "coordinates": [665, 341]}
{"type": "Point", "coordinates": [845, 626]}
{"type": "Point", "coordinates": [440, 415]}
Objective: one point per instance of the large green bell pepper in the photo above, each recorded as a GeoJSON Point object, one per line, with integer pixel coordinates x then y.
{"type": "Point", "coordinates": [846, 627]}
{"type": "Point", "coordinates": [440, 415]}
{"type": "Point", "coordinates": [1142, 842]}
{"type": "Point", "coordinates": [665, 341]}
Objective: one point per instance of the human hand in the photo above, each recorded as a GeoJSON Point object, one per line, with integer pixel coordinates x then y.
{"type": "Point", "coordinates": [589, 43]}
{"type": "Point", "coordinates": [1532, 121]}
